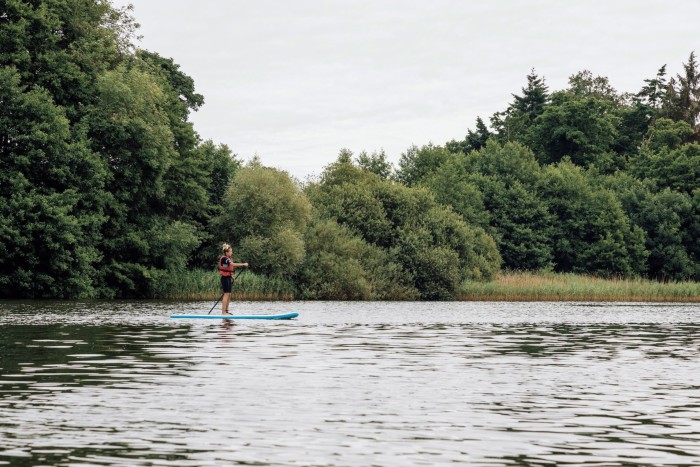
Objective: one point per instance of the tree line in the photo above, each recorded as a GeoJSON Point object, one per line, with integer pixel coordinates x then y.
{"type": "Point", "coordinates": [106, 188]}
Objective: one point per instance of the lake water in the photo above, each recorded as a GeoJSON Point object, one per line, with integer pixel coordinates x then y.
{"type": "Point", "coordinates": [350, 384]}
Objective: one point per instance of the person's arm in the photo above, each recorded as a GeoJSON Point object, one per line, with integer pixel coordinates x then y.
{"type": "Point", "coordinates": [240, 265]}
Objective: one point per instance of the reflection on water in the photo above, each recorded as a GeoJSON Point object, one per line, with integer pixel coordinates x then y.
{"type": "Point", "coordinates": [119, 383]}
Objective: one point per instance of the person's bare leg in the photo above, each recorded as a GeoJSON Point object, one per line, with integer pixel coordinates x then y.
{"type": "Point", "coordinates": [224, 304]}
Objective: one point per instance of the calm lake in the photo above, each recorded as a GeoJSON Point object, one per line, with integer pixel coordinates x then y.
{"type": "Point", "coordinates": [350, 384]}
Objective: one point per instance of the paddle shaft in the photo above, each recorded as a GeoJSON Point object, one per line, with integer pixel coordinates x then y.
{"type": "Point", "coordinates": [217, 302]}
{"type": "Point", "coordinates": [235, 276]}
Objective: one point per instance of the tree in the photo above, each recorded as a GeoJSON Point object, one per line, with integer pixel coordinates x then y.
{"type": "Point", "coordinates": [417, 163]}
{"type": "Point", "coordinates": [221, 166]}
{"type": "Point", "coordinates": [680, 100]}
{"type": "Point", "coordinates": [433, 246]}
{"type": "Point", "coordinates": [689, 95]}
{"type": "Point", "coordinates": [665, 134]}
{"type": "Point", "coordinates": [521, 225]}
{"type": "Point", "coordinates": [375, 163]}
{"type": "Point", "coordinates": [584, 84]}
{"type": "Point", "coordinates": [474, 140]}
{"type": "Point", "coordinates": [665, 160]}
{"type": "Point", "coordinates": [453, 186]}
{"type": "Point", "coordinates": [653, 93]}
{"type": "Point", "coordinates": [495, 189]}
{"type": "Point", "coordinates": [265, 214]}
{"type": "Point", "coordinates": [341, 266]}
{"type": "Point", "coordinates": [663, 216]}
{"type": "Point", "coordinates": [584, 128]}
{"type": "Point", "coordinates": [51, 203]}
{"type": "Point", "coordinates": [692, 233]}
{"type": "Point", "coordinates": [535, 96]}
{"type": "Point", "coordinates": [591, 234]}
{"type": "Point", "coordinates": [514, 123]}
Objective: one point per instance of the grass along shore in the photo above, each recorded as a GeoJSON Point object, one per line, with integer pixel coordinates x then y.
{"type": "Point", "coordinates": [508, 286]}
{"type": "Point", "coordinates": [199, 284]}
{"type": "Point", "coordinates": [549, 286]}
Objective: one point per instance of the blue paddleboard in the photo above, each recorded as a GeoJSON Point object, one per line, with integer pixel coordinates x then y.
{"type": "Point", "coordinates": [283, 316]}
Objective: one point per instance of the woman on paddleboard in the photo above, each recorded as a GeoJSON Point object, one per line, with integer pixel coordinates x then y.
{"type": "Point", "coordinates": [226, 268]}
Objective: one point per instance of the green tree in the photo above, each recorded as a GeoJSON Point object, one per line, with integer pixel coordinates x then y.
{"type": "Point", "coordinates": [653, 93]}
{"type": "Point", "coordinates": [669, 220]}
{"type": "Point", "coordinates": [592, 234]}
{"type": "Point", "coordinates": [417, 163]}
{"type": "Point", "coordinates": [453, 186]}
{"type": "Point", "coordinates": [689, 96]}
{"type": "Point", "coordinates": [535, 96]}
{"type": "Point", "coordinates": [584, 128]}
{"type": "Point", "coordinates": [376, 163]}
{"type": "Point", "coordinates": [692, 233]}
{"type": "Point", "coordinates": [665, 134]}
{"type": "Point", "coordinates": [521, 225]}
{"type": "Point", "coordinates": [433, 246]}
{"type": "Point", "coordinates": [221, 166]}
{"type": "Point", "coordinates": [265, 214]}
{"type": "Point", "coordinates": [50, 197]}
{"type": "Point", "coordinates": [663, 216]}
{"type": "Point", "coordinates": [515, 122]}
{"type": "Point", "coordinates": [495, 189]}
{"type": "Point", "coordinates": [584, 84]}
{"type": "Point", "coordinates": [474, 140]}
{"type": "Point", "coordinates": [341, 266]}
{"type": "Point", "coordinates": [678, 169]}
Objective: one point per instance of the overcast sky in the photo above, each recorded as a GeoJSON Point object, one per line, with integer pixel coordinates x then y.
{"type": "Point", "coordinates": [297, 80]}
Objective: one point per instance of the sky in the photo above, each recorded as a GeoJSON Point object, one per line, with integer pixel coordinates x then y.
{"type": "Point", "coordinates": [296, 81]}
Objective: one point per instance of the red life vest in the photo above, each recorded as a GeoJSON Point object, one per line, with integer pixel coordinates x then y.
{"type": "Point", "coordinates": [225, 271]}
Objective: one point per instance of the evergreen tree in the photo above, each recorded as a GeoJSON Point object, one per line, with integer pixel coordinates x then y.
{"type": "Point", "coordinates": [514, 123]}
{"type": "Point", "coordinates": [474, 140]}
{"type": "Point", "coordinates": [689, 95]}
{"type": "Point", "coordinates": [653, 93]}
{"type": "Point", "coordinates": [535, 97]}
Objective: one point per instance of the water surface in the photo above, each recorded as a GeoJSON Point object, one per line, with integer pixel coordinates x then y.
{"type": "Point", "coordinates": [120, 383]}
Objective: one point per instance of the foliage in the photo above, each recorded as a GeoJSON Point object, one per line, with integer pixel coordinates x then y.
{"type": "Point", "coordinates": [106, 189]}
{"type": "Point", "coordinates": [104, 185]}
{"type": "Point", "coordinates": [584, 128]}
{"type": "Point", "coordinates": [417, 163]}
{"type": "Point", "coordinates": [514, 123]}
{"type": "Point", "coordinates": [48, 214]}
{"type": "Point", "coordinates": [433, 246]}
{"type": "Point", "coordinates": [591, 231]}
{"type": "Point", "coordinates": [495, 188]}
{"type": "Point", "coordinates": [341, 265]}
{"type": "Point", "coordinates": [474, 140]}
{"type": "Point", "coordinates": [376, 163]}
{"type": "Point", "coordinates": [265, 214]}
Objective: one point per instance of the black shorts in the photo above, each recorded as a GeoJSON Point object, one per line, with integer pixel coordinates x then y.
{"type": "Point", "coordinates": [226, 283]}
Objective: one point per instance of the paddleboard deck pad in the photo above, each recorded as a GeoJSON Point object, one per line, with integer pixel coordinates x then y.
{"type": "Point", "coordinates": [220, 316]}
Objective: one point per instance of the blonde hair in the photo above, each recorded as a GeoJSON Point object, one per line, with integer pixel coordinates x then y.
{"type": "Point", "coordinates": [225, 247]}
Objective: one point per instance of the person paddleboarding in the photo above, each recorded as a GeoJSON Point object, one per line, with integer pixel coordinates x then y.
{"type": "Point", "coordinates": [226, 268]}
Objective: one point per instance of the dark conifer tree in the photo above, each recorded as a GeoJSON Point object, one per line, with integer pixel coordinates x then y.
{"type": "Point", "coordinates": [534, 98]}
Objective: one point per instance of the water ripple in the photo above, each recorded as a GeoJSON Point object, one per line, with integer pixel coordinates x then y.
{"type": "Point", "coordinates": [119, 383]}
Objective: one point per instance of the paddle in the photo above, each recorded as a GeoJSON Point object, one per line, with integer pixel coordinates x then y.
{"type": "Point", "coordinates": [235, 276]}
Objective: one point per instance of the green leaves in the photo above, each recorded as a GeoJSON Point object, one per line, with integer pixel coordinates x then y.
{"type": "Point", "coordinates": [591, 231]}
{"type": "Point", "coordinates": [580, 127]}
{"type": "Point", "coordinates": [432, 246]}
{"type": "Point", "coordinates": [50, 191]}
{"type": "Point", "coordinates": [265, 213]}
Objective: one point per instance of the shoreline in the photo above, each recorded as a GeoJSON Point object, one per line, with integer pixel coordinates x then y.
{"type": "Point", "coordinates": [567, 287]}
{"type": "Point", "coordinates": [509, 286]}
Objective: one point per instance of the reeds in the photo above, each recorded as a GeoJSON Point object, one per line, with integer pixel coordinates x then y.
{"type": "Point", "coordinates": [549, 286]}
{"type": "Point", "coordinates": [509, 286]}
{"type": "Point", "coordinates": [198, 284]}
